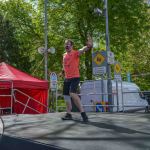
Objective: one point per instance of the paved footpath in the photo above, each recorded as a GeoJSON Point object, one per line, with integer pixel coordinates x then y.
{"type": "Point", "coordinates": [105, 131]}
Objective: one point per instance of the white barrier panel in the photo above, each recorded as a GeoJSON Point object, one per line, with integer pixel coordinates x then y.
{"type": "Point", "coordinates": [94, 96]}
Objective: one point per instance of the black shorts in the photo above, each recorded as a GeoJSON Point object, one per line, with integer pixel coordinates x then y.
{"type": "Point", "coordinates": [70, 85]}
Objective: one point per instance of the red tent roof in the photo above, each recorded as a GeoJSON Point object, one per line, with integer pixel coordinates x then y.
{"type": "Point", "coordinates": [20, 79]}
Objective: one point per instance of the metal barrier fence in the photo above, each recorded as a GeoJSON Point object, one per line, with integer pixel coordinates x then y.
{"type": "Point", "coordinates": [125, 97]}
{"type": "Point", "coordinates": [8, 97]}
{"type": "Point", "coordinates": [6, 91]}
{"type": "Point", "coordinates": [15, 91]}
{"type": "Point", "coordinates": [94, 97]}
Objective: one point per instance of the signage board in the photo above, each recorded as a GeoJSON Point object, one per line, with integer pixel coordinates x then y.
{"type": "Point", "coordinates": [117, 68]}
{"type": "Point", "coordinates": [117, 71]}
{"type": "Point", "coordinates": [99, 62]}
{"type": "Point", "coordinates": [53, 81]}
{"type": "Point", "coordinates": [110, 57]}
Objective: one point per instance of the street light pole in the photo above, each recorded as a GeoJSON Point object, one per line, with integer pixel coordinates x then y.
{"type": "Point", "coordinates": [109, 83]}
{"type": "Point", "coordinates": [45, 38]}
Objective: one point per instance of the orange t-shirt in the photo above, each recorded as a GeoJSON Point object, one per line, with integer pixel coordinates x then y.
{"type": "Point", "coordinates": [71, 64]}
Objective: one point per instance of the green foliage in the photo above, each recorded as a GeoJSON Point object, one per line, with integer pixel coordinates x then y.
{"type": "Point", "coordinates": [16, 14]}
{"type": "Point", "coordinates": [23, 32]}
{"type": "Point", "coordinates": [8, 43]}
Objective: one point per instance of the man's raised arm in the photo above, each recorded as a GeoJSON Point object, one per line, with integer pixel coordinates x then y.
{"type": "Point", "coordinates": [89, 45]}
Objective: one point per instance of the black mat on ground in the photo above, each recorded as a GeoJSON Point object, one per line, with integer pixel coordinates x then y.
{"type": "Point", "coordinates": [14, 143]}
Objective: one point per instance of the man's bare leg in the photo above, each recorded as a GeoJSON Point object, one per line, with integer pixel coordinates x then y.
{"type": "Point", "coordinates": [69, 107]}
{"type": "Point", "coordinates": [68, 103]}
{"type": "Point", "coordinates": [68, 115]}
{"type": "Point", "coordinates": [77, 101]}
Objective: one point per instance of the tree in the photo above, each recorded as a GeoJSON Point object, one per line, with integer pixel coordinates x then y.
{"type": "Point", "coordinates": [19, 13]}
{"type": "Point", "coordinates": [128, 27]}
{"type": "Point", "coordinates": [129, 34]}
{"type": "Point", "coordinates": [8, 42]}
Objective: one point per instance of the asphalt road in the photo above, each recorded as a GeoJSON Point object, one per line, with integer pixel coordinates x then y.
{"type": "Point", "coordinates": [104, 131]}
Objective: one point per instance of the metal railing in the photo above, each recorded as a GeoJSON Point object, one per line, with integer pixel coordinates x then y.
{"type": "Point", "coordinates": [119, 98]}
{"type": "Point", "coordinates": [9, 87]}
{"type": "Point", "coordinates": [29, 98]}
{"type": "Point", "coordinates": [7, 90]}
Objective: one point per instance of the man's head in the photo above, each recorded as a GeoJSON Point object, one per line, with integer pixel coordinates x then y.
{"type": "Point", "coordinates": [68, 45]}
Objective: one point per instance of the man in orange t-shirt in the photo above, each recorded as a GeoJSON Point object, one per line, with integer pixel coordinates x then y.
{"type": "Point", "coordinates": [72, 77]}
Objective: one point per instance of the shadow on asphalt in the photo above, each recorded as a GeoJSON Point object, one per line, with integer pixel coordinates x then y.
{"type": "Point", "coordinates": [14, 143]}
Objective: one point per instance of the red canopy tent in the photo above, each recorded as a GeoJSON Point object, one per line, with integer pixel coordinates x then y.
{"type": "Point", "coordinates": [22, 92]}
